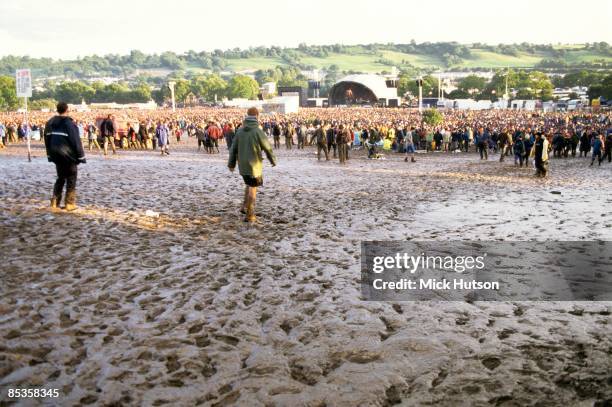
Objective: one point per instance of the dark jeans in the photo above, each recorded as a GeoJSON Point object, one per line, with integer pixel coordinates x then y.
{"type": "Point", "coordinates": [598, 156]}
{"type": "Point", "coordinates": [518, 159]}
{"type": "Point", "coordinates": [483, 150]}
{"type": "Point", "coordinates": [66, 174]}
{"type": "Point", "coordinates": [335, 148]}
{"type": "Point", "coordinates": [322, 147]}
{"type": "Point", "coordinates": [342, 152]}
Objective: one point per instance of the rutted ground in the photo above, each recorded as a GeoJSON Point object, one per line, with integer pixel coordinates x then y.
{"type": "Point", "coordinates": [195, 307]}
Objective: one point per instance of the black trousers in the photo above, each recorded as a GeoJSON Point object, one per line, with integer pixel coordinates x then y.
{"type": "Point", "coordinates": [66, 174]}
{"type": "Point", "coordinates": [541, 167]}
{"type": "Point", "coordinates": [483, 150]}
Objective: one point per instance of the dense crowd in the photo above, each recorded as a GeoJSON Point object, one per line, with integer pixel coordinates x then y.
{"type": "Point", "coordinates": [525, 135]}
{"type": "Point", "coordinates": [335, 131]}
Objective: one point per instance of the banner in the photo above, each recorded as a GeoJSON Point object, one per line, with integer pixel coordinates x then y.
{"type": "Point", "coordinates": [23, 81]}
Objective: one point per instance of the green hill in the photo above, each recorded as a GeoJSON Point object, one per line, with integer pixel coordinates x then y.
{"type": "Point", "coordinates": [342, 58]}
{"type": "Point", "coordinates": [361, 59]}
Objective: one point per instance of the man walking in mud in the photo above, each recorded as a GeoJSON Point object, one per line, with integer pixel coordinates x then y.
{"type": "Point", "coordinates": [343, 138]}
{"type": "Point", "coordinates": [409, 145]}
{"type": "Point", "coordinates": [214, 133]}
{"type": "Point", "coordinates": [540, 155]}
{"type": "Point", "coordinates": [301, 136]}
{"type": "Point", "coordinates": [321, 137]}
{"type": "Point", "coordinates": [64, 148]}
{"type": "Point", "coordinates": [276, 133]}
{"type": "Point", "coordinates": [108, 132]}
{"type": "Point", "coordinates": [163, 137]}
{"type": "Point", "coordinates": [289, 136]}
{"type": "Point", "coordinates": [483, 143]}
{"type": "Point", "coordinates": [246, 149]}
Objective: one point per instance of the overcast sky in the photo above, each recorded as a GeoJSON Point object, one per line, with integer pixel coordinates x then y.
{"type": "Point", "coordinates": [70, 28]}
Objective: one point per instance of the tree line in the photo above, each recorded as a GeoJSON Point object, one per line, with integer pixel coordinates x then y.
{"type": "Point", "coordinates": [214, 87]}
{"type": "Point", "coordinates": [449, 53]}
{"type": "Point", "coordinates": [202, 87]}
{"type": "Point", "coordinates": [527, 85]}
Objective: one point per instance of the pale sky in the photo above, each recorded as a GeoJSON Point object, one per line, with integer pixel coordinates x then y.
{"type": "Point", "coordinates": [71, 28]}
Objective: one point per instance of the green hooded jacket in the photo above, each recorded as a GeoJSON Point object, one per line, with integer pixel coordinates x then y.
{"type": "Point", "coordinates": [246, 148]}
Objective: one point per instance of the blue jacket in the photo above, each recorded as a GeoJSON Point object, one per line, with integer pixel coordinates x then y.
{"type": "Point", "coordinates": [597, 146]}
{"type": "Point", "coordinates": [519, 147]}
{"type": "Point", "coordinates": [162, 134]}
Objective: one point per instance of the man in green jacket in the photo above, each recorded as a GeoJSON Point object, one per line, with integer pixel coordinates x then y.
{"type": "Point", "coordinates": [246, 149]}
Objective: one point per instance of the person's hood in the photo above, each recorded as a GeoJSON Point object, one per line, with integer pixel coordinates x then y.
{"type": "Point", "coordinates": [57, 120]}
{"type": "Point", "coordinates": [250, 122]}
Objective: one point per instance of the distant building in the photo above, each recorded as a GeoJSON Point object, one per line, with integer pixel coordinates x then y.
{"type": "Point", "coordinates": [279, 104]}
{"type": "Point", "coordinates": [268, 89]}
{"type": "Point", "coordinates": [564, 93]}
{"type": "Point", "coordinates": [298, 91]}
{"type": "Point", "coordinates": [520, 104]}
{"type": "Point", "coordinates": [79, 108]}
{"type": "Point", "coordinates": [150, 105]}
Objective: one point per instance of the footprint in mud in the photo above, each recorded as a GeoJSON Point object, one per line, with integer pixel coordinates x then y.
{"type": "Point", "coordinates": [151, 316]}
{"type": "Point", "coordinates": [228, 339]}
{"type": "Point", "coordinates": [491, 363]}
{"type": "Point", "coordinates": [505, 333]}
{"type": "Point", "coordinates": [202, 341]}
{"type": "Point", "coordinates": [172, 363]}
{"type": "Point", "coordinates": [195, 328]}
{"type": "Point", "coordinates": [249, 298]}
{"type": "Point", "coordinates": [90, 399]}
{"type": "Point", "coordinates": [442, 374]}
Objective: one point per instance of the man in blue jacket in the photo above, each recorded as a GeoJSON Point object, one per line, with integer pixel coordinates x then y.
{"type": "Point", "coordinates": [483, 143]}
{"type": "Point", "coordinates": [598, 145]}
{"type": "Point", "coordinates": [64, 148]}
{"type": "Point", "coordinates": [519, 150]}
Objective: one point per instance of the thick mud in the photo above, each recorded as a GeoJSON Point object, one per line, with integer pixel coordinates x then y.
{"type": "Point", "coordinates": [114, 307]}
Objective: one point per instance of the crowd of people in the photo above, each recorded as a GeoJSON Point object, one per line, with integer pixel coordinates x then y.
{"type": "Point", "coordinates": [335, 132]}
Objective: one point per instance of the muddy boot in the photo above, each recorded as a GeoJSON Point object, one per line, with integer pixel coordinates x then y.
{"type": "Point", "coordinates": [250, 217]}
{"type": "Point", "coordinates": [55, 202]}
{"type": "Point", "coordinates": [70, 201]}
{"type": "Point", "coordinates": [412, 160]}
{"type": "Point", "coordinates": [250, 213]}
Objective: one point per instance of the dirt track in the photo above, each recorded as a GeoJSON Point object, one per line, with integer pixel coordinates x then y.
{"type": "Point", "coordinates": [110, 305]}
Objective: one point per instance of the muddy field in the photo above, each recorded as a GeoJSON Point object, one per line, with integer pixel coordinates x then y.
{"type": "Point", "coordinates": [113, 307]}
